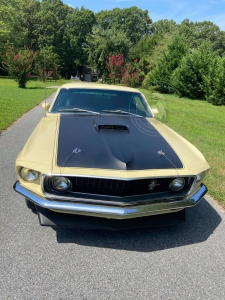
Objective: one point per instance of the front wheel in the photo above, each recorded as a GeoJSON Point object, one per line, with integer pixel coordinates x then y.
{"type": "Point", "coordinates": [30, 204]}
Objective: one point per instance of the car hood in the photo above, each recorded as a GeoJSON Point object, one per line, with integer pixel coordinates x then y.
{"type": "Point", "coordinates": [131, 147]}
{"type": "Point", "coordinates": [38, 151]}
{"type": "Point", "coordinates": [111, 142]}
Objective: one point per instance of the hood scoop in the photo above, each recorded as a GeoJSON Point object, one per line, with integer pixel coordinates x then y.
{"type": "Point", "coordinates": [110, 124]}
{"type": "Point", "coordinates": [114, 127]}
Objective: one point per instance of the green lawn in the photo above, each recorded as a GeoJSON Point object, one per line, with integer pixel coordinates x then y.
{"type": "Point", "coordinates": [203, 125]}
{"type": "Point", "coordinates": [14, 102]}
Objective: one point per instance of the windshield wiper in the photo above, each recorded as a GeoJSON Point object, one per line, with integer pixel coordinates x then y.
{"type": "Point", "coordinates": [118, 111]}
{"type": "Point", "coordinates": [80, 110]}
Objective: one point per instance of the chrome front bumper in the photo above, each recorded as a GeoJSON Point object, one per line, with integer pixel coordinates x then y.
{"type": "Point", "coordinates": [111, 212]}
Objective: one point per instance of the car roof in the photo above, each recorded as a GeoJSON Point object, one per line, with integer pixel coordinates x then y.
{"type": "Point", "coordinates": [88, 85]}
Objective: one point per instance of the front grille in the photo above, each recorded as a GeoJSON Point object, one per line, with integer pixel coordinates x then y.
{"type": "Point", "coordinates": [115, 187]}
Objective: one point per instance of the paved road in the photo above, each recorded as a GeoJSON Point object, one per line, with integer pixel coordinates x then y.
{"type": "Point", "coordinates": [178, 262]}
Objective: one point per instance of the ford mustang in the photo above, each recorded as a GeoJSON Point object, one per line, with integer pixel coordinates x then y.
{"type": "Point", "coordinates": [100, 159]}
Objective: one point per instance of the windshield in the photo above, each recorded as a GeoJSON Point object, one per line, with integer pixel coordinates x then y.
{"type": "Point", "coordinates": [100, 101]}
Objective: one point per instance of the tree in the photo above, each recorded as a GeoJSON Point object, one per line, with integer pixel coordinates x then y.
{"type": "Point", "coordinates": [4, 32]}
{"type": "Point", "coordinates": [103, 43]}
{"type": "Point", "coordinates": [79, 25]}
{"type": "Point", "coordinates": [160, 76]}
{"type": "Point", "coordinates": [47, 64]}
{"type": "Point", "coordinates": [19, 65]}
{"type": "Point", "coordinates": [29, 21]}
{"type": "Point", "coordinates": [214, 82]}
{"type": "Point", "coordinates": [133, 21]}
{"type": "Point", "coordinates": [151, 48]}
{"type": "Point", "coordinates": [10, 19]}
{"type": "Point", "coordinates": [20, 19]}
{"type": "Point", "coordinates": [196, 33]}
{"type": "Point", "coordinates": [164, 26]}
{"type": "Point", "coordinates": [52, 27]}
{"type": "Point", "coordinates": [188, 78]}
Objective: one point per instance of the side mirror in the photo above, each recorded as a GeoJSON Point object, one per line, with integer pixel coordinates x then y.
{"type": "Point", "coordinates": [46, 106]}
{"type": "Point", "coordinates": [155, 110]}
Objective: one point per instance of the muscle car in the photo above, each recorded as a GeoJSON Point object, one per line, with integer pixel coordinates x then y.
{"type": "Point", "coordinates": [100, 159]}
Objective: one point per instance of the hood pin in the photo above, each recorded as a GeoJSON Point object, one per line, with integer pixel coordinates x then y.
{"type": "Point", "coordinates": [160, 152]}
{"type": "Point", "coordinates": [76, 151]}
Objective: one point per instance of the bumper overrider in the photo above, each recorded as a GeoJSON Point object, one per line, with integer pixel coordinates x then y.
{"type": "Point", "coordinates": [112, 212]}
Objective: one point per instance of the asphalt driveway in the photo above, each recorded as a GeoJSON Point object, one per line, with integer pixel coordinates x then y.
{"type": "Point", "coordinates": [176, 262]}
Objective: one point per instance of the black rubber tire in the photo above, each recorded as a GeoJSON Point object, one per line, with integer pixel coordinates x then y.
{"type": "Point", "coordinates": [30, 204]}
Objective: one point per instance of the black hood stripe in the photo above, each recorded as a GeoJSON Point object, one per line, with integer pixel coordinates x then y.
{"type": "Point", "coordinates": [112, 148]}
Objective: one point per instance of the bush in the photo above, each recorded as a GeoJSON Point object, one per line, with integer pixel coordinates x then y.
{"type": "Point", "coordinates": [19, 65]}
{"type": "Point", "coordinates": [147, 85]}
{"type": "Point", "coordinates": [214, 82]}
{"type": "Point", "coordinates": [114, 66]}
{"type": "Point", "coordinates": [128, 73]}
{"type": "Point", "coordinates": [160, 76]}
{"type": "Point", "coordinates": [132, 75]}
{"type": "Point", "coordinates": [188, 80]}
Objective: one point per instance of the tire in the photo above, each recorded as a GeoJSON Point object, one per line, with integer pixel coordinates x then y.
{"type": "Point", "coordinates": [30, 204]}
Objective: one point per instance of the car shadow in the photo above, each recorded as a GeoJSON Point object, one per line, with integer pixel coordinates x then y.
{"type": "Point", "coordinates": [201, 221]}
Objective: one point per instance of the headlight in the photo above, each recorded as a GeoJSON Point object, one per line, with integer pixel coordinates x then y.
{"type": "Point", "coordinates": [200, 176]}
{"type": "Point", "coordinates": [177, 184]}
{"type": "Point", "coordinates": [61, 183]}
{"type": "Point", "coordinates": [28, 174]}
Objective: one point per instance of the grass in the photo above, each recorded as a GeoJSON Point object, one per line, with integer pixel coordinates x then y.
{"type": "Point", "coordinates": [203, 125]}
{"type": "Point", "coordinates": [14, 102]}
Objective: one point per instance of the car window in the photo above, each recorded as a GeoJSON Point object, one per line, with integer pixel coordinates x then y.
{"type": "Point", "coordinates": [99, 100]}
{"type": "Point", "coordinates": [139, 104]}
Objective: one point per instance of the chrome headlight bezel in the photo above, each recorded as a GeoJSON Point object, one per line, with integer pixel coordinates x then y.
{"type": "Point", "coordinates": [63, 181]}
{"type": "Point", "coordinates": [177, 184]}
{"type": "Point", "coordinates": [29, 175]}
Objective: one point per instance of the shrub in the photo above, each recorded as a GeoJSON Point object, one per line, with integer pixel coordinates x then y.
{"type": "Point", "coordinates": [19, 65]}
{"type": "Point", "coordinates": [214, 82]}
{"type": "Point", "coordinates": [128, 73]}
{"type": "Point", "coordinates": [114, 65]}
{"type": "Point", "coordinates": [132, 75]}
{"type": "Point", "coordinates": [160, 76]}
{"type": "Point", "coordinates": [188, 80]}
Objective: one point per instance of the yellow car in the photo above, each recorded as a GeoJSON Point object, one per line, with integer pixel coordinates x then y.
{"type": "Point", "coordinates": [100, 159]}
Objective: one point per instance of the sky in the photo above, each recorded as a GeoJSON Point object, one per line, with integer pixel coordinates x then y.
{"type": "Point", "coordinates": [194, 10]}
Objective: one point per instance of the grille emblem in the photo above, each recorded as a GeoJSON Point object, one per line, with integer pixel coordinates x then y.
{"type": "Point", "coordinates": [152, 185]}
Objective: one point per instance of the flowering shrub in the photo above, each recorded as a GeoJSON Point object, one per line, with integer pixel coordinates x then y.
{"type": "Point", "coordinates": [19, 65]}
{"type": "Point", "coordinates": [114, 66]}
{"type": "Point", "coordinates": [127, 73]}
{"type": "Point", "coordinates": [132, 75]}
